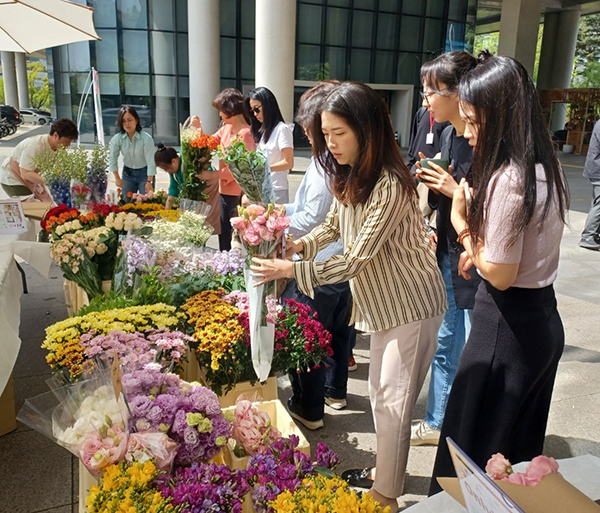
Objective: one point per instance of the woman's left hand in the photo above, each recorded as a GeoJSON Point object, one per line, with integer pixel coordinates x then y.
{"type": "Point", "coordinates": [266, 270]}
{"type": "Point", "coordinates": [458, 216]}
{"type": "Point", "coordinates": [437, 179]}
{"type": "Point", "coordinates": [148, 187]}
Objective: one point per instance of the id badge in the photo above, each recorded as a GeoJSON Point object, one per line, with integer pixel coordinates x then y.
{"type": "Point", "coordinates": [429, 138]}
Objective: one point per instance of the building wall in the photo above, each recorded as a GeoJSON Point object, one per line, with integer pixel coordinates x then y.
{"type": "Point", "coordinates": [143, 57]}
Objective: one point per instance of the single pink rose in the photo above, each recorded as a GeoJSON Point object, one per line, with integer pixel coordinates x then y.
{"type": "Point", "coordinates": [265, 233]}
{"type": "Point", "coordinates": [498, 467]}
{"type": "Point", "coordinates": [539, 467]}
{"type": "Point", "coordinates": [518, 478]}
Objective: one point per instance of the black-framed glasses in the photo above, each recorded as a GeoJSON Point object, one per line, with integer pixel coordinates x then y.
{"type": "Point", "coordinates": [426, 94]}
{"type": "Point", "coordinates": [256, 110]}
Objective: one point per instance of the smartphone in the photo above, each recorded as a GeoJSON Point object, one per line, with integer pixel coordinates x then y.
{"type": "Point", "coordinates": [443, 163]}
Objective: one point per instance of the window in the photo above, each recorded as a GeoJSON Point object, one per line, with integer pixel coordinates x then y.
{"type": "Point", "coordinates": [228, 13]}
{"type": "Point", "coordinates": [161, 15]}
{"type": "Point", "coordinates": [408, 68]}
{"type": "Point", "coordinates": [228, 57]}
{"type": "Point", "coordinates": [105, 15]}
{"type": "Point", "coordinates": [308, 63]}
{"type": "Point", "coordinates": [362, 29]}
{"type": "Point", "coordinates": [386, 31]}
{"type": "Point", "coordinates": [183, 62]}
{"type": "Point", "coordinates": [413, 7]}
{"type": "Point", "coordinates": [135, 52]}
{"type": "Point", "coordinates": [360, 63]}
{"type": "Point", "coordinates": [435, 8]}
{"type": "Point", "coordinates": [79, 56]}
{"type": "Point", "coordinates": [309, 23]}
{"type": "Point", "coordinates": [432, 42]}
{"type": "Point", "coordinates": [384, 67]}
{"type": "Point", "coordinates": [136, 85]}
{"type": "Point", "coordinates": [107, 51]}
{"type": "Point", "coordinates": [163, 52]}
{"type": "Point", "coordinates": [337, 26]}
{"type": "Point", "coordinates": [335, 59]}
{"type": "Point", "coordinates": [133, 13]}
{"type": "Point", "coordinates": [410, 34]}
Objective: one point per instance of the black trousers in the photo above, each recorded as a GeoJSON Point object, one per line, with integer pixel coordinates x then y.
{"type": "Point", "coordinates": [333, 304]}
{"type": "Point", "coordinates": [228, 210]}
{"type": "Point", "coordinates": [501, 395]}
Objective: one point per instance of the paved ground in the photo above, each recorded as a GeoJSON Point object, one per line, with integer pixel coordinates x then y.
{"type": "Point", "coordinates": [37, 475]}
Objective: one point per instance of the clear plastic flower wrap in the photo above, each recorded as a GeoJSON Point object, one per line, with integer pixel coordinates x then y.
{"type": "Point", "coordinates": [86, 418]}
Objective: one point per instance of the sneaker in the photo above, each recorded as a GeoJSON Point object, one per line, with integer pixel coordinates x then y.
{"type": "Point", "coordinates": [310, 424]}
{"type": "Point", "coordinates": [352, 365]}
{"type": "Point", "coordinates": [422, 434]}
{"type": "Point", "coordinates": [336, 404]}
{"type": "Point", "coordinates": [589, 244]}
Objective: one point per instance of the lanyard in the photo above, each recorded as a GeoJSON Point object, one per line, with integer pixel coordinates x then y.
{"type": "Point", "coordinates": [431, 122]}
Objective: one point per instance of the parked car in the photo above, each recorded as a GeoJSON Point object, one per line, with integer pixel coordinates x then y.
{"type": "Point", "coordinates": [10, 114]}
{"type": "Point", "coordinates": [35, 116]}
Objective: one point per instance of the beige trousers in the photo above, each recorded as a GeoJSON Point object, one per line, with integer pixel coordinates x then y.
{"type": "Point", "coordinates": [400, 359]}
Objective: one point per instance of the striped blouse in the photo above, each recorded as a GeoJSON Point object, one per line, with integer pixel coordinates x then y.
{"type": "Point", "coordinates": [393, 273]}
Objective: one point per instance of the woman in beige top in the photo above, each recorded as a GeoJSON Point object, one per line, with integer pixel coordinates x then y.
{"type": "Point", "coordinates": [397, 288]}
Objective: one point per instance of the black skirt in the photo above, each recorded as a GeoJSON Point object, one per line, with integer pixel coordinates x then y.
{"type": "Point", "coordinates": [501, 395]}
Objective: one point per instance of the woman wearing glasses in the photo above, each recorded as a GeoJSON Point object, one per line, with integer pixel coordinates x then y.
{"type": "Point", "coordinates": [511, 231]}
{"type": "Point", "coordinates": [440, 79]}
{"type": "Point", "coordinates": [396, 285]}
{"type": "Point", "coordinates": [272, 135]}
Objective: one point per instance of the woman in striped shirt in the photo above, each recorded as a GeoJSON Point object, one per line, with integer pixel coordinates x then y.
{"type": "Point", "coordinates": [397, 288]}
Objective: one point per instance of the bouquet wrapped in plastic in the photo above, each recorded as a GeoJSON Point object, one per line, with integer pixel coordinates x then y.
{"type": "Point", "coordinates": [251, 171]}
{"type": "Point", "coordinates": [87, 418]}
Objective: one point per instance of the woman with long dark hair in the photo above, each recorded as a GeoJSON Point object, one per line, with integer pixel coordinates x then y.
{"type": "Point", "coordinates": [272, 135]}
{"type": "Point", "coordinates": [396, 286]}
{"type": "Point", "coordinates": [441, 78]}
{"type": "Point", "coordinates": [511, 232]}
{"type": "Point", "coordinates": [137, 149]}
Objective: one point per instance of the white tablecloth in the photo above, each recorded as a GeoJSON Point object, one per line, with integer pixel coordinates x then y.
{"type": "Point", "coordinates": [583, 472]}
{"type": "Point", "coordinates": [38, 256]}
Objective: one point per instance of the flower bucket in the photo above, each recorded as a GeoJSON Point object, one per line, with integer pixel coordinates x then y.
{"type": "Point", "coordinates": [60, 190]}
{"type": "Point", "coordinates": [81, 195]}
{"type": "Point", "coordinates": [76, 298]}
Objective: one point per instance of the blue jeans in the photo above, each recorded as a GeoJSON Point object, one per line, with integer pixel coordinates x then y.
{"type": "Point", "coordinates": [134, 180]}
{"type": "Point", "coordinates": [452, 336]}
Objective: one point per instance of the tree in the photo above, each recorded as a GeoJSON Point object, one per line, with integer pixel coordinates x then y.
{"type": "Point", "coordinates": [2, 90]}
{"type": "Point", "coordinates": [39, 96]}
{"type": "Point", "coordinates": [586, 72]}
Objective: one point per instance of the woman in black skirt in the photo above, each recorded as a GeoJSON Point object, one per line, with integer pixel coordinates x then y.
{"type": "Point", "coordinates": [511, 231]}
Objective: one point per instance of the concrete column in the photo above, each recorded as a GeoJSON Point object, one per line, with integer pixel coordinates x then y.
{"type": "Point", "coordinates": [564, 60]}
{"type": "Point", "coordinates": [21, 64]}
{"type": "Point", "coordinates": [544, 76]}
{"type": "Point", "coordinates": [275, 51]}
{"type": "Point", "coordinates": [11, 96]}
{"type": "Point", "coordinates": [519, 25]}
{"type": "Point", "coordinates": [205, 60]}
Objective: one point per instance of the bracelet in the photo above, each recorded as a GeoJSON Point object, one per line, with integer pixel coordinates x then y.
{"type": "Point", "coordinates": [463, 235]}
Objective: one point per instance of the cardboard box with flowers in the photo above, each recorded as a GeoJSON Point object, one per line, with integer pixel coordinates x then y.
{"type": "Point", "coordinates": [540, 489]}
{"type": "Point", "coordinates": [255, 426]}
{"type": "Point", "coordinates": [220, 324]}
{"type": "Point", "coordinates": [137, 333]}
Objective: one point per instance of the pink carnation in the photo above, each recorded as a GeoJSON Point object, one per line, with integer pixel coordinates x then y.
{"type": "Point", "coordinates": [498, 467]}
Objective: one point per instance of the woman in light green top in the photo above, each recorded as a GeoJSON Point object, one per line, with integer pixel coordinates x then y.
{"type": "Point", "coordinates": [169, 160]}
{"type": "Point", "coordinates": [137, 149]}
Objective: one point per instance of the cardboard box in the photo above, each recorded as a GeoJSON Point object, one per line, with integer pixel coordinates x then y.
{"type": "Point", "coordinates": [281, 419]}
{"type": "Point", "coordinates": [8, 408]}
{"type": "Point", "coordinates": [553, 494]}
{"type": "Point", "coordinates": [267, 390]}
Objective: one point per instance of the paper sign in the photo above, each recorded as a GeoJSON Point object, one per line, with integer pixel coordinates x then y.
{"type": "Point", "coordinates": [12, 218]}
{"type": "Point", "coordinates": [480, 492]}
{"type": "Point", "coordinates": [116, 375]}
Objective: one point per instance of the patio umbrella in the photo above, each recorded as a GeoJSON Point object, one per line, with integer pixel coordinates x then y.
{"type": "Point", "coordinates": [30, 25]}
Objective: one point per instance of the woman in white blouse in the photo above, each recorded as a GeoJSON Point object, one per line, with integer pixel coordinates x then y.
{"type": "Point", "coordinates": [272, 135]}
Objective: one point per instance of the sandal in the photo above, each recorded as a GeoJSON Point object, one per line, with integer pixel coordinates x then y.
{"type": "Point", "coordinates": [358, 477]}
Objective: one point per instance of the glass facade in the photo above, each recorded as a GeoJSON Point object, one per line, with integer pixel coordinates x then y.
{"type": "Point", "coordinates": [142, 59]}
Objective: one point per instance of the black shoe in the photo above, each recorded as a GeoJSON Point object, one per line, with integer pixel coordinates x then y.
{"type": "Point", "coordinates": [358, 477]}
{"type": "Point", "coordinates": [589, 244]}
{"type": "Point", "coordinates": [310, 424]}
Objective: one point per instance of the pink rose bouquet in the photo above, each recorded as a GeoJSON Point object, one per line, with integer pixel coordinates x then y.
{"type": "Point", "coordinates": [252, 430]}
{"type": "Point", "coordinates": [499, 468]}
{"type": "Point", "coordinates": [260, 228]}
{"type": "Point", "coordinates": [142, 447]}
